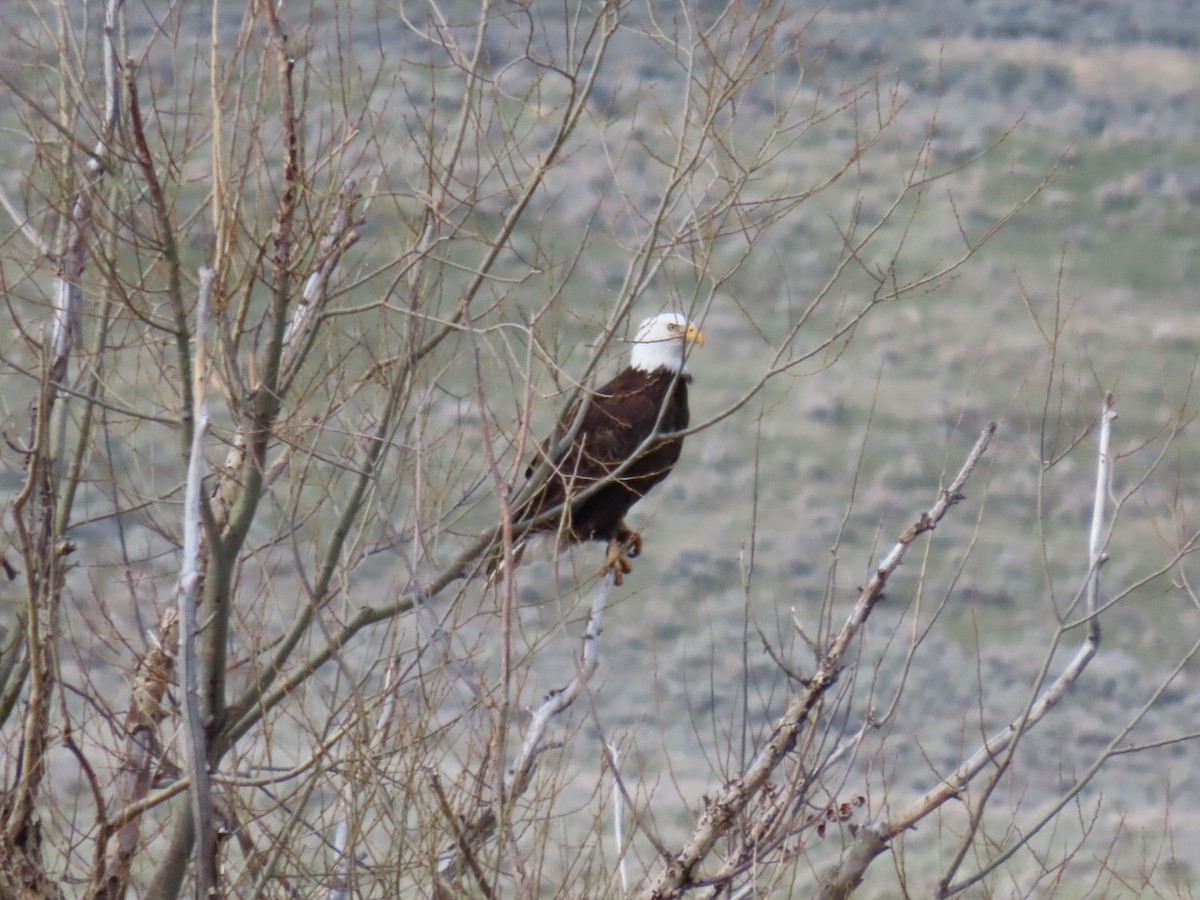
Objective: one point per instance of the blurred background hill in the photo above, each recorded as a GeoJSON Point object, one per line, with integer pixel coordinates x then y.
{"type": "Point", "coordinates": [1090, 108]}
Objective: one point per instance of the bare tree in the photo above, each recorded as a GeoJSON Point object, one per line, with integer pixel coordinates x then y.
{"type": "Point", "coordinates": [293, 295]}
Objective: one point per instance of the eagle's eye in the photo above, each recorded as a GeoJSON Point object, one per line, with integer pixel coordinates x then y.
{"type": "Point", "coordinates": [672, 327]}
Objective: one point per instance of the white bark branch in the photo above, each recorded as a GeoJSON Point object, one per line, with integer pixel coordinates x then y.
{"type": "Point", "coordinates": [68, 289]}
{"type": "Point", "coordinates": [339, 237]}
{"type": "Point", "coordinates": [618, 803]}
{"type": "Point", "coordinates": [560, 700]}
{"type": "Point", "coordinates": [1096, 556]}
{"type": "Point", "coordinates": [188, 594]}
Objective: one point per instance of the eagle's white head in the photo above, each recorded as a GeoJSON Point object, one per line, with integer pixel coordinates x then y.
{"type": "Point", "coordinates": [661, 343]}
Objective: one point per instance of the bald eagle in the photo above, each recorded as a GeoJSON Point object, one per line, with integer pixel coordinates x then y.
{"type": "Point", "coordinates": [646, 399]}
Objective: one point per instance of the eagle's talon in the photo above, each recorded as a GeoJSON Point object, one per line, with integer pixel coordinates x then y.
{"type": "Point", "coordinates": [617, 562]}
{"type": "Point", "coordinates": [630, 541]}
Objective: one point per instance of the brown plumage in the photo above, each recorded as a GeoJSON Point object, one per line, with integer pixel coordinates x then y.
{"type": "Point", "coordinates": [652, 391]}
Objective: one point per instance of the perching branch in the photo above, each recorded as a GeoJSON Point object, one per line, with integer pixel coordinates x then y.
{"type": "Point", "coordinates": [520, 774]}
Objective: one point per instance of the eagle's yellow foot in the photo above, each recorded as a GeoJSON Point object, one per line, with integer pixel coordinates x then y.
{"type": "Point", "coordinates": [616, 560]}
{"type": "Point", "coordinates": [630, 541]}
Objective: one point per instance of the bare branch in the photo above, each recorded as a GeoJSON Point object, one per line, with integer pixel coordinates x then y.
{"type": "Point", "coordinates": [188, 594]}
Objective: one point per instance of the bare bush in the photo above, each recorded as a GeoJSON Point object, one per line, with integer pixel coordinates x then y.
{"type": "Point", "coordinates": [293, 295]}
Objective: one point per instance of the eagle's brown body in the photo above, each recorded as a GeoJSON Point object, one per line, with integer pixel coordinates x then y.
{"type": "Point", "coordinates": [616, 422]}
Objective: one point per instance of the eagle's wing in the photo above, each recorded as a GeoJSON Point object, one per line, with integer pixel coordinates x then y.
{"type": "Point", "coordinates": [617, 419]}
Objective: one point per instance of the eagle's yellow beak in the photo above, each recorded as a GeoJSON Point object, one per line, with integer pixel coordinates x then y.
{"type": "Point", "coordinates": [694, 336]}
